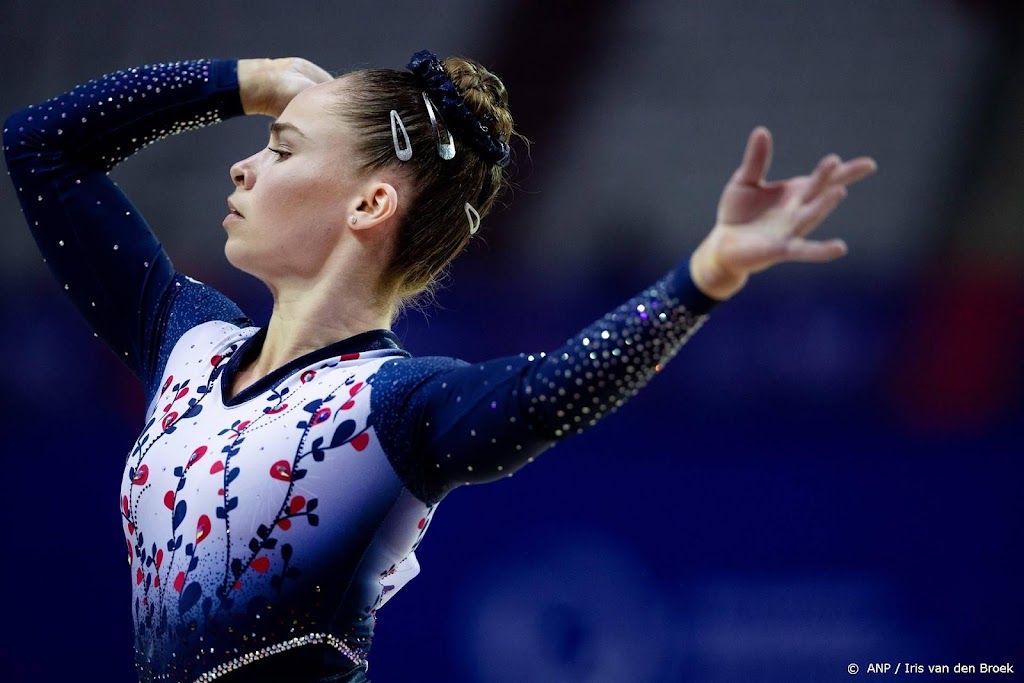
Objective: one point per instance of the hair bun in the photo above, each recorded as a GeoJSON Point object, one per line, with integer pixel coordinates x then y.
{"type": "Point", "coordinates": [472, 101]}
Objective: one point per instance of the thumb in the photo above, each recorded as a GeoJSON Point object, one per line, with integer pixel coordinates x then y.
{"type": "Point", "coordinates": [756, 158]}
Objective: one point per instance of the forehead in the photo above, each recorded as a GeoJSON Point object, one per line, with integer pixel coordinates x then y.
{"type": "Point", "coordinates": [312, 110]}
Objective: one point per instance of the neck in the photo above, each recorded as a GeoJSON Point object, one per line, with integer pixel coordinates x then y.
{"type": "Point", "coordinates": [330, 300]}
{"type": "Point", "coordinates": [305, 319]}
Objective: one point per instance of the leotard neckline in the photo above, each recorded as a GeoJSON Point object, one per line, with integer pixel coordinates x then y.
{"type": "Point", "coordinates": [371, 340]}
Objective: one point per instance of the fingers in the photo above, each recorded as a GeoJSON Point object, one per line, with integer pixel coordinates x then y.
{"type": "Point", "coordinates": [316, 73]}
{"type": "Point", "coordinates": [854, 170]}
{"type": "Point", "coordinates": [820, 178]}
{"type": "Point", "coordinates": [826, 187]}
{"type": "Point", "coordinates": [810, 215]}
{"type": "Point", "coordinates": [814, 252]}
{"type": "Point", "coordinates": [756, 158]}
{"type": "Point", "coordinates": [832, 170]}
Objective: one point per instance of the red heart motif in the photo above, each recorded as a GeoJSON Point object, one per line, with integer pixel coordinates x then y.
{"type": "Point", "coordinates": [202, 528]}
{"type": "Point", "coordinates": [423, 523]}
{"type": "Point", "coordinates": [284, 524]}
{"type": "Point", "coordinates": [347, 405]}
{"type": "Point", "coordinates": [159, 557]}
{"type": "Point", "coordinates": [131, 528]}
{"type": "Point", "coordinates": [307, 376]}
{"type": "Point", "coordinates": [169, 419]}
{"type": "Point", "coordinates": [361, 441]}
{"type": "Point", "coordinates": [138, 575]}
{"type": "Point", "coordinates": [170, 378]}
{"type": "Point", "coordinates": [261, 564]}
{"type": "Point", "coordinates": [141, 475]}
{"type": "Point", "coordinates": [196, 454]}
{"type": "Point", "coordinates": [217, 467]}
{"type": "Point", "coordinates": [296, 504]}
{"type": "Point", "coordinates": [156, 581]}
{"type": "Point", "coordinates": [181, 393]}
{"type": "Point", "coordinates": [275, 411]}
{"type": "Point", "coordinates": [124, 505]}
{"type": "Point", "coordinates": [281, 470]}
{"type": "Point", "coordinates": [215, 360]}
{"type": "Point", "coordinates": [179, 581]}
{"type": "Point", "coordinates": [354, 390]}
{"type": "Point", "coordinates": [169, 500]}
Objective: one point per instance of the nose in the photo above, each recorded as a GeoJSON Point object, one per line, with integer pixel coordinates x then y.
{"type": "Point", "coordinates": [243, 173]}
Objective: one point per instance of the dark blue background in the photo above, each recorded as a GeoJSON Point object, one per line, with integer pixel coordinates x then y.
{"type": "Point", "coordinates": [829, 472]}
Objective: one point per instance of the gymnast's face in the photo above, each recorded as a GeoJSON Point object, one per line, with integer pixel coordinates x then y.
{"type": "Point", "coordinates": [293, 199]}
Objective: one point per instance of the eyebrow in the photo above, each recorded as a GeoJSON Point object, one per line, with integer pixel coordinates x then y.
{"type": "Point", "coordinates": [276, 128]}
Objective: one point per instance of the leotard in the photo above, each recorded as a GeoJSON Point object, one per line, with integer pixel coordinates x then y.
{"type": "Point", "coordinates": [271, 525]}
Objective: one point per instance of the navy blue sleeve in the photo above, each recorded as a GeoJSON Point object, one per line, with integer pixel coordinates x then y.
{"type": "Point", "coordinates": [445, 422]}
{"type": "Point", "coordinates": [97, 245]}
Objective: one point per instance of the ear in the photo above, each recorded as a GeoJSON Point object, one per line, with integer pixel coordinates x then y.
{"type": "Point", "coordinates": [378, 203]}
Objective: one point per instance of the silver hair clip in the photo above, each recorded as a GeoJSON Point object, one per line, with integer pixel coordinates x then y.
{"type": "Point", "coordinates": [396, 123]}
{"type": "Point", "coordinates": [474, 218]}
{"type": "Point", "coordinates": [445, 149]}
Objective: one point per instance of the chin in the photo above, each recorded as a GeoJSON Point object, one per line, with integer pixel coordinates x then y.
{"type": "Point", "coordinates": [260, 264]}
{"type": "Point", "coordinates": [240, 257]}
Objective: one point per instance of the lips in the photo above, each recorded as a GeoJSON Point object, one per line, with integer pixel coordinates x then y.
{"type": "Point", "coordinates": [231, 207]}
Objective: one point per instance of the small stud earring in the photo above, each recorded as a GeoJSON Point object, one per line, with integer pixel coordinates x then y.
{"type": "Point", "coordinates": [352, 220]}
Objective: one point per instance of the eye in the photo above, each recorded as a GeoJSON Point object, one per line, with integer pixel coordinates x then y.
{"type": "Point", "coordinates": [281, 154]}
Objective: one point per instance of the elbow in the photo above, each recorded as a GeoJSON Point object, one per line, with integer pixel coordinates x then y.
{"type": "Point", "coordinates": [24, 135]}
{"type": "Point", "coordinates": [12, 132]}
{"type": "Point", "coordinates": [15, 135]}
{"type": "Point", "coordinates": [14, 126]}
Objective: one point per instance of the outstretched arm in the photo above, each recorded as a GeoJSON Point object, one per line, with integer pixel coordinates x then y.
{"type": "Point", "coordinates": [763, 223]}
{"type": "Point", "coordinates": [480, 422]}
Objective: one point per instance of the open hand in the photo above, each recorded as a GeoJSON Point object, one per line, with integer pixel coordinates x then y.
{"type": "Point", "coordinates": [763, 223]}
{"type": "Point", "coordinates": [267, 86]}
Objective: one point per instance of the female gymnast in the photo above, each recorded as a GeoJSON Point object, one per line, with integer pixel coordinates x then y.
{"type": "Point", "coordinates": [286, 474]}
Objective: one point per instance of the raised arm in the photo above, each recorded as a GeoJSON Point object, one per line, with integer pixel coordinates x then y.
{"type": "Point", "coordinates": [94, 240]}
{"type": "Point", "coordinates": [477, 423]}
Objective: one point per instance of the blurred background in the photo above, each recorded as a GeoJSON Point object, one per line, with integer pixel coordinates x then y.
{"type": "Point", "coordinates": [830, 471]}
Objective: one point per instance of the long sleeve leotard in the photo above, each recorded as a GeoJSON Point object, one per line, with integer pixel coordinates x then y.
{"type": "Point", "coordinates": [270, 526]}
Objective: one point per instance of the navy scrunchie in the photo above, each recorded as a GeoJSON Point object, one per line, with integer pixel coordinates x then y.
{"type": "Point", "coordinates": [443, 93]}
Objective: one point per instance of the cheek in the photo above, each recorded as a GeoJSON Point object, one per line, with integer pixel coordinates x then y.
{"type": "Point", "coordinates": [304, 222]}
{"type": "Point", "coordinates": [306, 196]}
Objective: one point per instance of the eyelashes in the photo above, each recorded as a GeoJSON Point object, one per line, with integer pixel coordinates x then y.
{"type": "Point", "coordinates": [281, 154]}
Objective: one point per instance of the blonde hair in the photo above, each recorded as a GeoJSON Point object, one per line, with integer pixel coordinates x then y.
{"type": "Point", "coordinates": [434, 227]}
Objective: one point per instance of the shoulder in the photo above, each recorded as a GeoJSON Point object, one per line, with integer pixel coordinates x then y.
{"type": "Point", "coordinates": [199, 352]}
{"type": "Point", "coordinates": [403, 376]}
{"type": "Point", "coordinates": [401, 390]}
{"type": "Point", "coordinates": [194, 302]}
{"type": "Point", "coordinates": [208, 342]}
